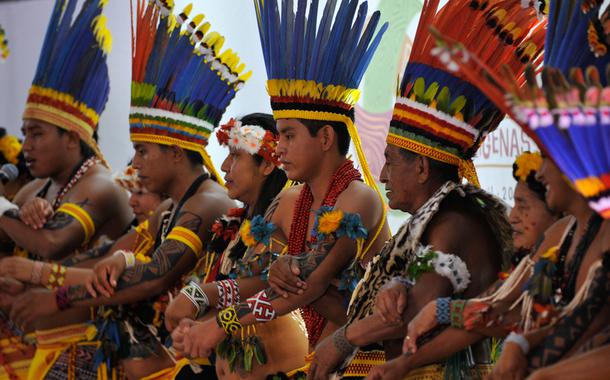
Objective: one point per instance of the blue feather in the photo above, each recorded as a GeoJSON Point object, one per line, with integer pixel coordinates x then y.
{"type": "Point", "coordinates": [321, 38]}
{"type": "Point", "coordinates": [309, 39]}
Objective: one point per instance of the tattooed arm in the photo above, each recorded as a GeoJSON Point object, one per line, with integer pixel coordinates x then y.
{"type": "Point", "coordinates": [93, 253]}
{"type": "Point", "coordinates": [62, 234]}
{"type": "Point", "coordinates": [170, 261]}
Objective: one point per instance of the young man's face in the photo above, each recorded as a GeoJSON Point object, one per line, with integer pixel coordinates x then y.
{"type": "Point", "coordinates": [153, 164]}
{"type": "Point", "coordinates": [44, 147]}
{"type": "Point", "coordinates": [299, 152]}
{"type": "Point", "coordinates": [398, 175]}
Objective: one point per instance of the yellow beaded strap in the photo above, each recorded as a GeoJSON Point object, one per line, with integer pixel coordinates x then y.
{"type": "Point", "coordinates": [57, 276]}
{"type": "Point", "coordinates": [187, 237]}
{"type": "Point", "coordinates": [228, 320]}
{"type": "Point", "coordinates": [81, 216]}
{"type": "Point", "coordinates": [144, 242]}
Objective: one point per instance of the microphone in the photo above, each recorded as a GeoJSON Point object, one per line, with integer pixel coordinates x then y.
{"type": "Point", "coordinates": [8, 173]}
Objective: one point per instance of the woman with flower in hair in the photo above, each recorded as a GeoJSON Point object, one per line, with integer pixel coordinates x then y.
{"type": "Point", "coordinates": [530, 216]}
{"type": "Point", "coordinates": [252, 176]}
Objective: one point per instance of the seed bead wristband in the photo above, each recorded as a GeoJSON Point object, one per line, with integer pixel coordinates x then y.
{"type": "Point", "coordinates": [228, 320]}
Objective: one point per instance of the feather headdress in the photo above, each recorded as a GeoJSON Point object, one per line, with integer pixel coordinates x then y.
{"type": "Point", "coordinates": [442, 113]}
{"type": "Point", "coordinates": [567, 108]}
{"type": "Point", "coordinates": [71, 84]}
{"type": "Point", "coordinates": [181, 81]}
{"type": "Point", "coordinates": [314, 68]}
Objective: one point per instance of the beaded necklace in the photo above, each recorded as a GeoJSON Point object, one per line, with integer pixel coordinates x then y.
{"type": "Point", "coordinates": [564, 281]}
{"type": "Point", "coordinates": [345, 174]}
{"type": "Point", "coordinates": [74, 178]}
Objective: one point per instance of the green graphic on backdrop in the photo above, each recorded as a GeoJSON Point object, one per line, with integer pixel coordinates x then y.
{"type": "Point", "coordinates": [379, 84]}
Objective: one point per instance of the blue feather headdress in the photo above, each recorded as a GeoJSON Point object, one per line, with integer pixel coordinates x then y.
{"type": "Point", "coordinates": [314, 69]}
{"type": "Point", "coordinates": [71, 84]}
{"type": "Point", "coordinates": [570, 112]}
{"type": "Point", "coordinates": [445, 114]}
{"type": "Point", "coordinates": [181, 82]}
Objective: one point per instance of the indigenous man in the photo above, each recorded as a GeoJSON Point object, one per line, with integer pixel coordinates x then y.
{"type": "Point", "coordinates": [313, 93]}
{"type": "Point", "coordinates": [172, 115]}
{"type": "Point", "coordinates": [458, 236]}
{"type": "Point", "coordinates": [79, 202]}
{"type": "Point", "coordinates": [567, 257]}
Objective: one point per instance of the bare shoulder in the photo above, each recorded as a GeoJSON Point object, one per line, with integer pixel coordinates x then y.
{"type": "Point", "coordinates": [29, 191]}
{"type": "Point", "coordinates": [210, 202]}
{"type": "Point", "coordinates": [359, 197]}
{"type": "Point", "coordinates": [99, 185]}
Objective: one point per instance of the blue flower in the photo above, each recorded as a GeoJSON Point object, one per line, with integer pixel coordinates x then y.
{"type": "Point", "coordinates": [351, 226]}
{"type": "Point", "coordinates": [261, 230]}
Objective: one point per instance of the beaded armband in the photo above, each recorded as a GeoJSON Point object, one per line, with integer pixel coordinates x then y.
{"type": "Point", "coordinates": [443, 310]}
{"type": "Point", "coordinates": [457, 313]}
{"type": "Point", "coordinates": [228, 293]}
{"type": "Point", "coordinates": [188, 238]}
{"type": "Point", "coordinates": [261, 308]}
{"type": "Point", "coordinates": [82, 217]}
{"type": "Point", "coordinates": [446, 265]}
{"type": "Point", "coordinates": [228, 320]}
{"type": "Point", "coordinates": [57, 276]}
{"type": "Point", "coordinates": [197, 296]}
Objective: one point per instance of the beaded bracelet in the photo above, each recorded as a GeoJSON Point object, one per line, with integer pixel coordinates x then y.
{"type": "Point", "coordinates": [341, 343]}
{"type": "Point", "coordinates": [36, 275]}
{"type": "Point", "coordinates": [197, 296]}
{"type": "Point", "coordinates": [443, 310]}
{"type": "Point", "coordinates": [520, 340]}
{"type": "Point", "coordinates": [57, 276]}
{"type": "Point", "coordinates": [130, 258]}
{"type": "Point", "coordinates": [228, 320]}
{"type": "Point", "coordinates": [261, 307]}
{"type": "Point", "coordinates": [228, 293]}
{"type": "Point", "coordinates": [457, 313]}
{"type": "Point", "coordinates": [61, 298]}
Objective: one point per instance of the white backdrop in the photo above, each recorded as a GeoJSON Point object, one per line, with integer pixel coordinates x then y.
{"type": "Point", "coordinates": [25, 23]}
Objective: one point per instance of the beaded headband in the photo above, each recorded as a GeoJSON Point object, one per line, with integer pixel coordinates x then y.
{"type": "Point", "coordinates": [442, 113]}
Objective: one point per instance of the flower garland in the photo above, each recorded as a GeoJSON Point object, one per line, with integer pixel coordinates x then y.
{"type": "Point", "coordinates": [256, 231]}
{"type": "Point", "coordinates": [250, 138]}
{"type": "Point", "coordinates": [335, 224]}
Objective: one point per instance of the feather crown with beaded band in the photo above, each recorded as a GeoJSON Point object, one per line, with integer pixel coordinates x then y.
{"type": "Point", "coordinates": [71, 85]}
{"type": "Point", "coordinates": [442, 113]}
{"type": "Point", "coordinates": [314, 68]}
{"type": "Point", "coordinates": [565, 109]}
{"type": "Point", "coordinates": [181, 81]}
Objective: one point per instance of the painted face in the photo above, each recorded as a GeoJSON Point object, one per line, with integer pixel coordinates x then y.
{"type": "Point", "coordinates": [398, 175]}
{"type": "Point", "coordinates": [244, 177]}
{"type": "Point", "coordinates": [559, 191]}
{"type": "Point", "coordinates": [143, 204]}
{"type": "Point", "coordinates": [153, 164]}
{"type": "Point", "coordinates": [43, 148]}
{"type": "Point", "coordinates": [529, 218]}
{"type": "Point", "coordinates": [299, 152]}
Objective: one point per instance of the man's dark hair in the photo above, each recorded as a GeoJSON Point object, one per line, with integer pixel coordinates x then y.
{"type": "Point", "coordinates": [343, 139]}
{"type": "Point", "coordinates": [276, 181]}
{"type": "Point", "coordinates": [440, 171]}
{"type": "Point", "coordinates": [85, 150]}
